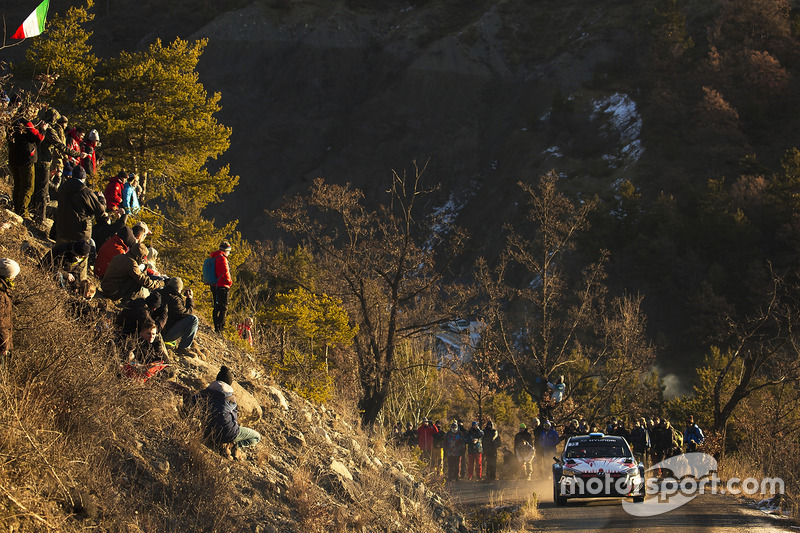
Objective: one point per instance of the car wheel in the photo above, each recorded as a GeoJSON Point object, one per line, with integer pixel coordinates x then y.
{"type": "Point", "coordinates": [558, 498]}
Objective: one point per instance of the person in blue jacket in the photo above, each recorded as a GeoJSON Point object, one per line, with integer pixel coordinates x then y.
{"type": "Point", "coordinates": [222, 417]}
{"type": "Point", "coordinates": [692, 435]}
{"type": "Point", "coordinates": [130, 199]}
{"type": "Point", "coordinates": [549, 439]}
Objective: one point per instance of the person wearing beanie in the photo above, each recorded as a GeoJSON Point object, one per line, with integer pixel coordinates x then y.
{"type": "Point", "coordinates": [222, 427]}
{"type": "Point", "coordinates": [125, 278]}
{"type": "Point", "coordinates": [181, 324]}
{"type": "Point", "coordinates": [222, 286]}
{"type": "Point", "coordinates": [9, 269]}
{"type": "Point", "coordinates": [68, 262]}
{"type": "Point", "coordinates": [524, 450]}
{"type": "Point", "coordinates": [454, 445]}
{"type": "Point", "coordinates": [116, 245]}
{"type": "Point", "coordinates": [77, 206]}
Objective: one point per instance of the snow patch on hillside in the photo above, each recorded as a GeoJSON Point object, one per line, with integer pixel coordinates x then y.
{"type": "Point", "coordinates": [622, 118]}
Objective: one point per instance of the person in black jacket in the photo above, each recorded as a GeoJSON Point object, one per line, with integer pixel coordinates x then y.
{"type": "Point", "coordinates": [222, 427]}
{"type": "Point", "coordinates": [68, 262]}
{"type": "Point", "coordinates": [22, 155]}
{"type": "Point", "coordinates": [491, 443]}
{"type": "Point", "coordinates": [77, 206]}
{"type": "Point", "coordinates": [138, 311]}
{"type": "Point", "coordinates": [181, 323]}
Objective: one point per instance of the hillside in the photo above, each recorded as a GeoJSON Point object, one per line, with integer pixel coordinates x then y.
{"type": "Point", "coordinates": [82, 447]}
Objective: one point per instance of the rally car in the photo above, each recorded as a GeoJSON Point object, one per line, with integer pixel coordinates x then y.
{"type": "Point", "coordinates": [597, 466]}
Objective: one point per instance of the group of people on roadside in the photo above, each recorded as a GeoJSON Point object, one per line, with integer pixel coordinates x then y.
{"type": "Point", "coordinates": [461, 453]}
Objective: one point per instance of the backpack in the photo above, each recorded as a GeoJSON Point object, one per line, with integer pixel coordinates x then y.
{"type": "Point", "coordinates": [210, 271]}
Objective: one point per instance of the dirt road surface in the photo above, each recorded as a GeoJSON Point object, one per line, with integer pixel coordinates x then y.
{"type": "Point", "coordinates": [705, 513]}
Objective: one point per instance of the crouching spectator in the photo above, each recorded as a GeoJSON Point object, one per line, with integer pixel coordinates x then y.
{"type": "Point", "coordinates": [146, 358]}
{"type": "Point", "coordinates": [125, 280]}
{"type": "Point", "coordinates": [68, 262]}
{"type": "Point", "coordinates": [8, 271]}
{"type": "Point", "coordinates": [222, 427]}
{"type": "Point", "coordinates": [181, 322]}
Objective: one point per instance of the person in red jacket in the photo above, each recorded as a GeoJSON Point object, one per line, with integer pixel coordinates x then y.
{"type": "Point", "coordinates": [116, 245]}
{"type": "Point", "coordinates": [425, 435]}
{"type": "Point", "coordinates": [221, 288]}
{"type": "Point", "coordinates": [113, 191]}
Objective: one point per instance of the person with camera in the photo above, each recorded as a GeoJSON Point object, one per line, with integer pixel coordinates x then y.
{"type": "Point", "coordinates": [181, 322]}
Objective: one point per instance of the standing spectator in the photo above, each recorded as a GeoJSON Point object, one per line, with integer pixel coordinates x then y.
{"type": "Point", "coordinates": [475, 452]}
{"type": "Point", "coordinates": [77, 206]}
{"type": "Point", "coordinates": [130, 199]}
{"type": "Point", "coordinates": [549, 439]}
{"type": "Point", "coordinates": [692, 436]}
{"type": "Point", "coordinates": [537, 465]}
{"type": "Point", "coordinates": [246, 331]}
{"type": "Point", "coordinates": [113, 191]}
{"type": "Point", "coordinates": [9, 269]}
{"type": "Point", "coordinates": [22, 156]}
{"type": "Point", "coordinates": [222, 427]}
{"type": "Point", "coordinates": [621, 431]}
{"type": "Point", "coordinates": [90, 145]}
{"type": "Point", "coordinates": [524, 450]}
{"type": "Point", "coordinates": [181, 322]}
{"type": "Point", "coordinates": [222, 286]}
{"type": "Point", "coordinates": [52, 147]}
{"type": "Point", "coordinates": [491, 443]}
{"type": "Point", "coordinates": [453, 448]}
{"type": "Point", "coordinates": [425, 435]}
{"type": "Point", "coordinates": [657, 441]}
{"type": "Point", "coordinates": [570, 430]}
{"type": "Point", "coordinates": [125, 280]}
{"type": "Point", "coordinates": [75, 143]}
{"type": "Point", "coordinates": [640, 441]}
{"type": "Point", "coordinates": [438, 451]}
{"type": "Point", "coordinates": [410, 435]}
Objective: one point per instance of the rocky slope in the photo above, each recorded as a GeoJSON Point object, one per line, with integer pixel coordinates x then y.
{"type": "Point", "coordinates": [82, 448]}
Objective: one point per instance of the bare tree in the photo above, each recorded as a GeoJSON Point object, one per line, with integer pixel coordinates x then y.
{"type": "Point", "coordinates": [387, 266]}
{"type": "Point", "coordinates": [554, 322]}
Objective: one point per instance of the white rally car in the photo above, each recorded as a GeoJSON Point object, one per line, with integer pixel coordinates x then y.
{"type": "Point", "coordinates": [597, 466]}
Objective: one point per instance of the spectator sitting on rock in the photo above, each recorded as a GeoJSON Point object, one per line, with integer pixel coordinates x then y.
{"type": "Point", "coordinates": [125, 279]}
{"type": "Point", "coordinates": [116, 245]}
{"type": "Point", "coordinates": [9, 269]}
{"type": "Point", "coordinates": [222, 427]}
{"type": "Point", "coordinates": [181, 322]}
{"type": "Point", "coordinates": [150, 265]}
{"type": "Point", "coordinates": [67, 261]}
{"type": "Point", "coordinates": [141, 310]}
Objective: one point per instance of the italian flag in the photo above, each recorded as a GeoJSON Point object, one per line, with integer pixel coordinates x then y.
{"type": "Point", "coordinates": [34, 24]}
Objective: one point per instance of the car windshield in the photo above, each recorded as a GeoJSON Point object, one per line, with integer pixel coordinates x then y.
{"type": "Point", "coordinates": [584, 452]}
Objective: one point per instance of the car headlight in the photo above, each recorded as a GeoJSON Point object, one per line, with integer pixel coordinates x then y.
{"type": "Point", "coordinates": [569, 472]}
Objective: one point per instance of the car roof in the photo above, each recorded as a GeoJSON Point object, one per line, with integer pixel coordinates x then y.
{"type": "Point", "coordinates": [598, 439]}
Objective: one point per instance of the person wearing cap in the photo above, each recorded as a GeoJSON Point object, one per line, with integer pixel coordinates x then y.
{"type": "Point", "coordinates": [67, 261]}
{"type": "Point", "coordinates": [9, 269]}
{"type": "Point", "coordinates": [222, 427]}
{"type": "Point", "coordinates": [125, 279]}
{"type": "Point", "coordinates": [116, 245]}
{"type": "Point", "coordinates": [425, 434]}
{"type": "Point", "coordinates": [181, 322]}
{"type": "Point", "coordinates": [454, 445]}
{"type": "Point", "coordinates": [475, 451]}
{"type": "Point", "coordinates": [222, 287]}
